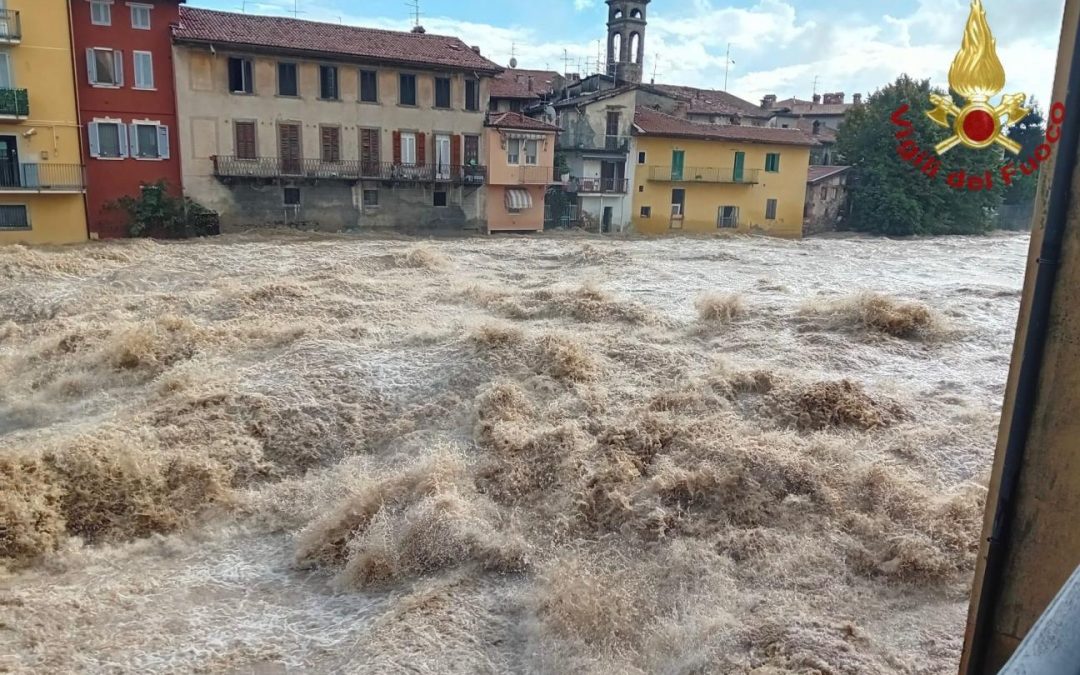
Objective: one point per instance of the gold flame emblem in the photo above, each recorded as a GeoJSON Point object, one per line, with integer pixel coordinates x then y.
{"type": "Point", "coordinates": [977, 75]}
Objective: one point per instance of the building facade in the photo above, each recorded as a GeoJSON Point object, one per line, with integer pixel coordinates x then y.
{"type": "Point", "coordinates": [826, 198]}
{"type": "Point", "coordinates": [42, 181]}
{"type": "Point", "coordinates": [705, 177]}
{"type": "Point", "coordinates": [127, 102]}
{"type": "Point", "coordinates": [288, 122]}
{"type": "Point", "coordinates": [516, 89]}
{"type": "Point", "coordinates": [520, 161]}
{"type": "Point", "coordinates": [820, 117]}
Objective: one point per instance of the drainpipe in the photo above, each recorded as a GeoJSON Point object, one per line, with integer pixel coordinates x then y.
{"type": "Point", "coordinates": [1028, 379]}
{"type": "Point", "coordinates": [78, 120]}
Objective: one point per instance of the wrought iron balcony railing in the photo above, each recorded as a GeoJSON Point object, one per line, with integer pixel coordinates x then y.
{"type": "Point", "coordinates": [14, 103]}
{"type": "Point", "coordinates": [42, 177]}
{"type": "Point", "coordinates": [667, 174]}
{"type": "Point", "coordinates": [601, 185]}
{"type": "Point", "coordinates": [10, 26]}
{"type": "Point", "coordinates": [619, 144]}
{"type": "Point", "coordinates": [276, 167]}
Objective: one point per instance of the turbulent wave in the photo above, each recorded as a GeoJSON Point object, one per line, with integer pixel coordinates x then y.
{"type": "Point", "coordinates": [508, 455]}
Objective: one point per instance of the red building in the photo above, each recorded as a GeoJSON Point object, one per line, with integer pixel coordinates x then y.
{"type": "Point", "coordinates": [127, 101]}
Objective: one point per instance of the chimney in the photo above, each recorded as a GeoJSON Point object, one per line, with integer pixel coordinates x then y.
{"type": "Point", "coordinates": [768, 101]}
{"type": "Point", "coordinates": [681, 109]}
{"type": "Point", "coordinates": [530, 84]}
{"type": "Point", "coordinates": [418, 29]}
{"type": "Point", "coordinates": [856, 99]}
{"type": "Point", "coordinates": [476, 48]}
{"type": "Point", "coordinates": [817, 98]}
{"type": "Point", "coordinates": [835, 98]}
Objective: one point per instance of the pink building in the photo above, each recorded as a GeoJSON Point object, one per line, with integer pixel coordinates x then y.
{"type": "Point", "coordinates": [521, 159]}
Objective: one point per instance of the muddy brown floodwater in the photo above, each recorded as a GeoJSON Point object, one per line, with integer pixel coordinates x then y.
{"type": "Point", "coordinates": [552, 454]}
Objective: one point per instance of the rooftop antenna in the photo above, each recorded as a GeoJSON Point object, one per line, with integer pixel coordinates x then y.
{"type": "Point", "coordinates": [243, 6]}
{"type": "Point", "coordinates": [415, 6]}
{"type": "Point", "coordinates": [565, 62]}
{"type": "Point", "coordinates": [816, 77]}
{"type": "Point", "coordinates": [599, 56]}
{"type": "Point", "coordinates": [727, 65]}
{"type": "Point", "coordinates": [655, 65]}
{"type": "Point", "coordinates": [296, 11]}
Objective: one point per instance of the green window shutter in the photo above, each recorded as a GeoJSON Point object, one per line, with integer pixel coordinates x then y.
{"type": "Point", "coordinates": [740, 164]}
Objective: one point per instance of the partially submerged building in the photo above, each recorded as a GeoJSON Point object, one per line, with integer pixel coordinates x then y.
{"type": "Point", "coordinates": [292, 122]}
{"type": "Point", "coordinates": [826, 198]}
{"type": "Point", "coordinates": [520, 165]}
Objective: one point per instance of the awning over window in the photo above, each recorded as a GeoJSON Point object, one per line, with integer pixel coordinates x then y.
{"type": "Point", "coordinates": [518, 199]}
{"type": "Point", "coordinates": [524, 136]}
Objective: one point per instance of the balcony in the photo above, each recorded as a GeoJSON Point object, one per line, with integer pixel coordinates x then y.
{"type": "Point", "coordinates": [536, 175]}
{"type": "Point", "coordinates": [601, 144]}
{"type": "Point", "coordinates": [10, 27]}
{"type": "Point", "coordinates": [44, 177]}
{"type": "Point", "coordinates": [346, 170]}
{"type": "Point", "coordinates": [664, 174]}
{"type": "Point", "coordinates": [14, 104]}
{"type": "Point", "coordinates": [617, 186]}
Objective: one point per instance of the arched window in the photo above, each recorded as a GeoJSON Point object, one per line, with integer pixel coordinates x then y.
{"type": "Point", "coordinates": [635, 47]}
{"type": "Point", "coordinates": [616, 13]}
{"type": "Point", "coordinates": [616, 47]}
{"type": "Point", "coordinates": [635, 14]}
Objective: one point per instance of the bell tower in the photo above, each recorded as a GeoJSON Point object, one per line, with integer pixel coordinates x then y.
{"type": "Point", "coordinates": [626, 39]}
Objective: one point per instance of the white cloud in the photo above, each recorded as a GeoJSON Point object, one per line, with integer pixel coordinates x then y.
{"type": "Point", "coordinates": [582, 5]}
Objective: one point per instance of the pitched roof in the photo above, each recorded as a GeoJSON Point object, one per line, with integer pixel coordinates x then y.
{"type": "Point", "coordinates": [824, 135]}
{"type": "Point", "coordinates": [714, 101]}
{"type": "Point", "coordinates": [817, 173]}
{"type": "Point", "coordinates": [522, 83]}
{"type": "Point", "coordinates": [273, 32]}
{"type": "Point", "coordinates": [648, 122]}
{"type": "Point", "coordinates": [514, 120]}
{"type": "Point", "coordinates": [797, 106]}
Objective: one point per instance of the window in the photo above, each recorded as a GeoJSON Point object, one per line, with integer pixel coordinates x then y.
{"type": "Point", "coordinates": [646, 212]}
{"type": "Point", "coordinates": [530, 152]}
{"type": "Point", "coordinates": [328, 83]}
{"type": "Point", "coordinates": [728, 216]}
{"type": "Point", "coordinates": [407, 92]}
{"type": "Point", "coordinates": [108, 139]}
{"type": "Point", "coordinates": [770, 209]}
{"type": "Point", "coordinates": [101, 12]}
{"type": "Point", "coordinates": [246, 147]}
{"type": "Point", "coordinates": [240, 76]}
{"type": "Point", "coordinates": [408, 148]}
{"type": "Point", "coordinates": [149, 140]}
{"type": "Point", "coordinates": [144, 70]}
{"type": "Point", "coordinates": [6, 82]}
{"type": "Point", "coordinates": [369, 150]}
{"type": "Point", "coordinates": [331, 143]}
{"type": "Point", "coordinates": [140, 17]}
{"type": "Point", "coordinates": [472, 150]}
{"type": "Point", "coordinates": [14, 217]}
{"type": "Point", "coordinates": [824, 193]}
{"type": "Point", "coordinates": [369, 86]}
{"type": "Point", "coordinates": [106, 67]}
{"type": "Point", "coordinates": [291, 196]}
{"type": "Point", "coordinates": [288, 82]}
{"type": "Point", "coordinates": [513, 152]}
{"type": "Point", "coordinates": [442, 92]}
{"type": "Point", "coordinates": [641, 158]}
{"type": "Point", "coordinates": [772, 162]}
{"type": "Point", "coordinates": [371, 198]}
{"type": "Point", "coordinates": [472, 94]}
{"type": "Point", "coordinates": [440, 198]}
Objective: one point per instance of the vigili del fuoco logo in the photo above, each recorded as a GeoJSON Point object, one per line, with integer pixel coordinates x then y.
{"type": "Point", "coordinates": [978, 76]}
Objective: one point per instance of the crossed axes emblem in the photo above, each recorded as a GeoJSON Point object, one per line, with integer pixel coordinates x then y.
{"type": "Point", "coordinates": [1012, 106]}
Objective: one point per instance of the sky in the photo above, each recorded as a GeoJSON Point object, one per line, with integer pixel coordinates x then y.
{"type": "Point", "coordinates": [783, 47]}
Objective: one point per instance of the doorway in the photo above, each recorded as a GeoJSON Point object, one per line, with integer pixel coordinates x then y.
{"type": "Point", "coordinates": [677, 157]}
{"type": "Point", "coordinates": [9, 162]}
{"type": "Point", "coordinates": [442, 157]}
{"type": "Point", "coordinates": [289, 148]}
{"type": "Point", "coordinates": [678, 208]}
{"type": "Point", "coordinates": [606, 220]}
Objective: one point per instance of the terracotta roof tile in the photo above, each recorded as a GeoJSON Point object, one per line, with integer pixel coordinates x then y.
{"type": "Point", "coordinates": [650, 122]}
{"type": "Point", "coordinates": [513, 120]}
{"type": "Point", "coordinates": [797, 106]}
{"type": "Point", "coordinates": [817, 173]}
{"type": "Point", "coordinates": [824, 135]}
{"type": "Point", "coordinates": [203, 25]}
{"type": "Point", "coordinates": [714, 101]}
{"type": "Point", "coordinates": [514, 83]}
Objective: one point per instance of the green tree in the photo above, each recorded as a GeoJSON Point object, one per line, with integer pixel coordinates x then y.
{"type": "Point", "coordinates": [1030, 133]}
{"type": "Point", "coordinates": [156, 212]}
{"type": "Point", "coordinates": [890, 195]}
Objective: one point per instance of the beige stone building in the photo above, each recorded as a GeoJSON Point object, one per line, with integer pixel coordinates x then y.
{"type": "Point", "coordinates": [826, 198]}
{"type": "Point", "coordinates": [288, 122]}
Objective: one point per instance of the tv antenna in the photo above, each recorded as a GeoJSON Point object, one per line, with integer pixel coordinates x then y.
{"type": "Point", "coordinates": [655, 65]}
{"type": "Point", "coordinates": [415, 6]}
{"type": "Point", "coordinates": [565, 62]}
{"type": "Point", "coordinates": [816, 78]}
{"type": "Point", "coordinates": [727, 65]}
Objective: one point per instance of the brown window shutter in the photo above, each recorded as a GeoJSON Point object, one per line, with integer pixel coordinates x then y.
{"type": "Point", "coordinates": [455, 150]}
{"type": "Point", "coordinates": [369, 145]}
{"type": "Point", "coordinates": [331, 144]}
{"type": "Point", "coordinates": [245, 140]}
{"type": "Point", "coordinates": [421, 149]}
{"type": "Point", "coordinates": [397, 147]}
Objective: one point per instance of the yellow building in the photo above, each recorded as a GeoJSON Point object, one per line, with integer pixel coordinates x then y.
{"type": "Point", "coordinates": [42, 184]}
{"type": "Point", "coordinates": [701, 178]}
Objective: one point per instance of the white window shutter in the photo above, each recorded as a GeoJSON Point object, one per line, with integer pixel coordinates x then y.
{"type": "Point", "coordinates": [133, 132]}
{"type": "Point", "coordinates": [163, 141]}
{"type": "Point", "coordinates": [91, 66]}
{"type": "Point", "coordinates": [118, 61]}
{"type": "Point", "coordinates": [122, 134]}
{"type": "Point", "coordinates": [95, 140]}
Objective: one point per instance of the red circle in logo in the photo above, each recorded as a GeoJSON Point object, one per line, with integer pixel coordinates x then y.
{"type": "Point", "coordinates": [979, 126]}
